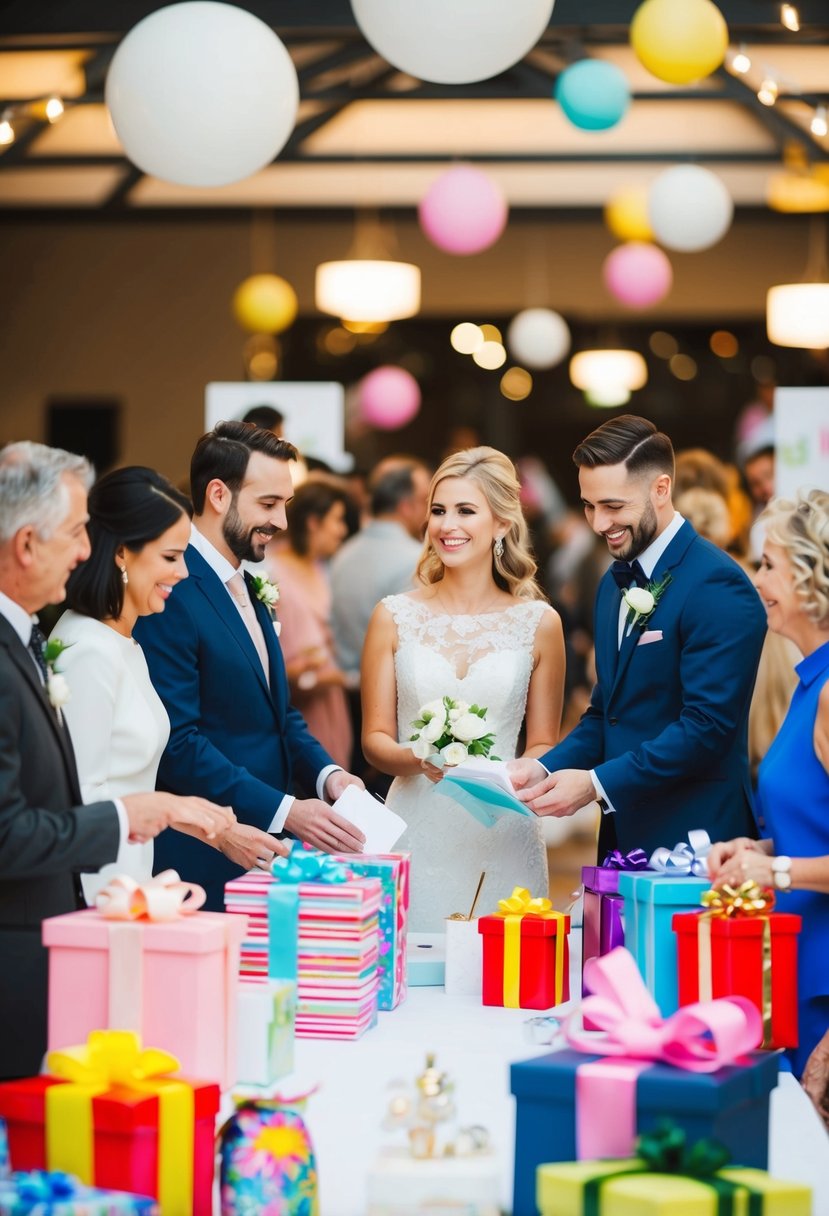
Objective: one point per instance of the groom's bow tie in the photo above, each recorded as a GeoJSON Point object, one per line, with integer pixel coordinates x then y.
{"type": "Point", "coordinates": [628, 574]}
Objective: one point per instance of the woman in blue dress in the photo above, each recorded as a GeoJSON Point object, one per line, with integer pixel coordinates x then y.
{"type": "Point", "coordinates": [793, 782]}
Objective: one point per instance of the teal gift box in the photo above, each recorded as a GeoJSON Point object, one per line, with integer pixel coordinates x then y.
{"type": "Point", "coordinates": [53, 1193]}
{"type": "Point", "coordinates": [651, 899]}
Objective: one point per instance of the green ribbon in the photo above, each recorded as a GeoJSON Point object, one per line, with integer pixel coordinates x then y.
{"type": "Point", "coordinates": [665, 1151]}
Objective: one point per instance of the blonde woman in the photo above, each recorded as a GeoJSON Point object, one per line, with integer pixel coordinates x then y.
{"type": "Point", "coordinates": [478, 629]}
{"type": "Point", "coordinates": [793, 784]}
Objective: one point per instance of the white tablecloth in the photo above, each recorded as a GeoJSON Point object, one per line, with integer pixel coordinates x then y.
{"type": "Point", "coordinates": [475, 1045]}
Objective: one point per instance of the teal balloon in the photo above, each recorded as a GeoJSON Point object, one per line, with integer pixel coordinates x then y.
{"type": "Point", "coordinates": [594, 95]}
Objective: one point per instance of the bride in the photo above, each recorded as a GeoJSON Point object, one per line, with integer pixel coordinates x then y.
{"type": "Point", "coordinates": [479, 630]}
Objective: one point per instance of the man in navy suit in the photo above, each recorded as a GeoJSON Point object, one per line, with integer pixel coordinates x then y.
{"type": "Point", "coordinates": [216, 663]}
{"type": "Point", "coordinates": [662, 745]}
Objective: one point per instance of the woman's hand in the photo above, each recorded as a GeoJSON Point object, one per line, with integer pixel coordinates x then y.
{"type": "Point", "coordinates": [723, 851]}
{"type": "Point", "coordinates": [200, 818]}
{"type": "Point", "coordinates": [746, 864]}
{"type": "Point", "coordinates": [431, 771]}
{"type": "Point", "coordinates": [815, 1078]}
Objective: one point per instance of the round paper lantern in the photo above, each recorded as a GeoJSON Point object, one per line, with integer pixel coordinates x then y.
{"type": "Point", "coordinates": [453, 43]}
{"type": "Point", "coordinates": [689, 208]}
{"type": "Point", "coordinates": [679, 40]}
{"type": "Point", "coordinates": [626, 214]}
{"type": "Point", "coordinates": [638, 274]}
{"type": "Point", "coordinates": [265, 304]}
{"type": "Point", "coordinates": [202, 94]}
{"type": "Point", "coordinates": [464, 211]}
{"type": "Point", "coordinates": [389, 397]}
{"type": "Point", "coordinates": [593, 94]}
{"type": "Point", "coordinates": [538, 337]}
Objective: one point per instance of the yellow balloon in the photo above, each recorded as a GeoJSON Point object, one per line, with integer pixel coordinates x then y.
{"type": "Point", "coordinates": [626, 214]}
{"type": "Point", "coordinates": [679, 40]}
{"type": "Point", "coordinates": [265, 304]}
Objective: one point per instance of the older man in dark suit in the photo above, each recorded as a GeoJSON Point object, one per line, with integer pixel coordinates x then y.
{"type": "Point", "coordinates": [46, 836]}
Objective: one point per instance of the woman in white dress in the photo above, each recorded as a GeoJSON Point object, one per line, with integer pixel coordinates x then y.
{"type": "Point", "coordinates": [139, 527]}
{"type": "Point", "coordinates": [476, 629]}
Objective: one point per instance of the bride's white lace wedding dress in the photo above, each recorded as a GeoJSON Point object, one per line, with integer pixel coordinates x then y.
{"type": "Point", "coordinates": [485, 659]}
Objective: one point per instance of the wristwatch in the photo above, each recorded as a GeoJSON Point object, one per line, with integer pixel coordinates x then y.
{"type": "Point", "coordinates": [781, 872]}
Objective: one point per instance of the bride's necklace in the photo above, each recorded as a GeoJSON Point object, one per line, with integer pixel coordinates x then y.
{"type": "Point", "coordinates": [491, 603]}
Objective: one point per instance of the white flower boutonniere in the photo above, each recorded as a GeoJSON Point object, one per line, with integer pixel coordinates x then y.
{"type": "Point", "coordinates": [641, 602]}
{"type": "Point", "coordinates": [268, 594]}
{"type": "Point", "coordinates": [57, 687]}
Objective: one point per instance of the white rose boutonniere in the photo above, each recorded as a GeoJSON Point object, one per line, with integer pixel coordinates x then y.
{"type": "Point", "coordinates": [452, 728]}
{"type": "Point", "coordinates": [57, 687]}
{"type": "Point", "coordinates": [641, 602]}
{"type": "Point", "coordinates": [268, 594]}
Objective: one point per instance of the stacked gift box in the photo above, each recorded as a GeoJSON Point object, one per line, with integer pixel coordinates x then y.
{"type": "Point", "coordinates": [393, 871]}
{"type": "Point", "coordinates": [336, 944]}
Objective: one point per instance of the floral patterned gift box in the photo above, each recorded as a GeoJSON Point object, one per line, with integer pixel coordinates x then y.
{"type": "Point", "coordinates": [268, 1167]}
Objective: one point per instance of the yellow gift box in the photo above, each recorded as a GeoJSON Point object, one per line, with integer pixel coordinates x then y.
{"type": "Point", "coordinates": [560, 1191]}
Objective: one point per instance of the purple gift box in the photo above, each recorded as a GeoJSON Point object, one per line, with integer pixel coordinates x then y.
{"type": "Point", "coordinates": [602, 926]}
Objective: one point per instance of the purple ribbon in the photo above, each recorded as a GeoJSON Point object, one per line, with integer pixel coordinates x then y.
{"type": "Point", "coordinates": [636, 859]}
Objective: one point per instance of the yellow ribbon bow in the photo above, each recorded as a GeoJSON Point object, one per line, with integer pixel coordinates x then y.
{"type": "Point", "coordinates": [112, 1058]}
{"type": "Point", "coordinates": [513, 909]}
{"type": "Point", "coordinates": [162, 898]}
{"type": "Point", "coordinates": [736, 903]}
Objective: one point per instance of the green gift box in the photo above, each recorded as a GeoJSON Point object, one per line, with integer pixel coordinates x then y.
{"type": "Point", "coordinates": [565, 1189]}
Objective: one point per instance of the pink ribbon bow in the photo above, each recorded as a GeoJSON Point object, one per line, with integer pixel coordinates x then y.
{"type": "Point", "coordinates": [698, 1038]}
{"type": "Point", "coordinates": [162, 898]}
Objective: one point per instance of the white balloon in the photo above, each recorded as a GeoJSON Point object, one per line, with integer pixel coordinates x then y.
{"type": "Point", "coordinates": [538, 337]}
{"type": "Point", "coordinates": [689, 208]}
{"type": "Point", "coordinates": [452, 42]}
{"type": "Point", "coordinates": [202, 94]}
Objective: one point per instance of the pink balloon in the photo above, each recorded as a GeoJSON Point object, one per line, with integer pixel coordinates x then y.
{"type": "Point", "coordinates": [638, 274]}
{"type": "Point", "coordinates": [389, 397]}
{"type": "Point", "coordinates": [464, 211]}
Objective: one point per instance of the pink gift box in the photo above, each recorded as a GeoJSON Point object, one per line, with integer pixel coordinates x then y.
{"type": "Point", "coordinates": [175, 982]}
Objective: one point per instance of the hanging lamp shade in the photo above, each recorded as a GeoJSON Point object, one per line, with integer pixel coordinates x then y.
{"type": "Point", "coordinates": [605, 372]}
{"type": "Point", "coordinates": [368, 289]}
{"type": "Point", "coordinates": [797, 314]}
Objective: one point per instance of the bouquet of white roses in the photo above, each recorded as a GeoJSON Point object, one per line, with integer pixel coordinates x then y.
{"type": "Point", "coordinates": [453, 729]}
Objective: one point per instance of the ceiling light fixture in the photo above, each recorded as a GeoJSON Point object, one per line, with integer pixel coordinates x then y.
{"type": "Point", "coordinates": [819, 126]}
{"type": "Point", "coordinates": [790, 17]}
{"type": "Point", "coordinates": [797, 314]}
{"type": "Point", "coordinates": [368, 285]}
{"type": "Point", "coordinates": [608, 373]}
{"type": "Point", "coordinates": [53, 109]}
{"type": "Point", "coordinates": [6, 129]}
{"type": "Point", "coordinates": [767, 93]}
{"type": "Point", "coordinates": [739, 61]}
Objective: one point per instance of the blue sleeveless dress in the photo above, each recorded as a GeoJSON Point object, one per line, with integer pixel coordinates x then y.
{"type": "Point", "coordinates": [793, 798]}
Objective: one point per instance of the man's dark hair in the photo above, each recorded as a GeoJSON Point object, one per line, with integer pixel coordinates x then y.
{"type": "Point", "coordinates": [629, 440]}
{"type": "Point", "coordinates": [128, 507]}
{"type": "Point", "coordinates": [265, 416]}
{"type": "Point", "coordinates": [391, 489]}
{"type": "Point", "coordinates": [768, 449]}
{"type": "Point", "coordinates": [224, 453]}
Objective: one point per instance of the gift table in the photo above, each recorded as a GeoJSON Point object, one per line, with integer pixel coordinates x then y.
{"type": "Point", "coordinates": [475, 1045]}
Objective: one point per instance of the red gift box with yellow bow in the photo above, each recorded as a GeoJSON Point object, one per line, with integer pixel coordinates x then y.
{"type": "Point", "coordinates": [525, 950]}
{"type": "Point", "coordinates": [738, 946]}
{"type": "Point", "coordinates": [112, 1115]}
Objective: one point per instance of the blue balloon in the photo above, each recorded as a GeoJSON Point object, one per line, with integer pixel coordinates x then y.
{"type": "Point", "coordinates": [594, 95]}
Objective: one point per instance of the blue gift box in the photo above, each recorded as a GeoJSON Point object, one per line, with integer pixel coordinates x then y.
{"type": "Point", "coordinates": [730, 1105]}
{"type": "Point", "coordinates": [650, 903]}
{"type": "Point", "coordinates": [53, 1193]}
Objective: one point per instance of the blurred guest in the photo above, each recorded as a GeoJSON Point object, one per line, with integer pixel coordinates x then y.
{"type": "Point", "coordinates": [268, 418]}
{"type": "Point", "coordinates": [139, 527]}
{"type": "Point", "coordinates": [707, 512]}
{"type": "Point", "coordinates": [793, 787]}
{"type": "Point", "coordinates": [815, 1079]}
{"type": "Point", "coordinates": [758, 470]}
{"type": "Point", "coordinates": [316, 529]}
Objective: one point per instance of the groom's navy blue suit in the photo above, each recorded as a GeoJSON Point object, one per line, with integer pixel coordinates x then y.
{"type": "Point", "coordinates": [233, 739]}
{"type": "Point", "coordinates": [666, 728]}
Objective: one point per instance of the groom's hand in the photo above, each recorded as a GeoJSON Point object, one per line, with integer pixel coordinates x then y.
{"type": "Point", "coordinates": [562, 793]}
{"type": "Point", "coordinates": [316, 823]}
{"type": "Point", "coordinates": [526, 772]}
{"type": "Point", "coordinates": [251, 848]}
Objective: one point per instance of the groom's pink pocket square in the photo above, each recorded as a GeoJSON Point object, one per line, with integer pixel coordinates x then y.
{"type": "Point", "coordinates": [650, 635]}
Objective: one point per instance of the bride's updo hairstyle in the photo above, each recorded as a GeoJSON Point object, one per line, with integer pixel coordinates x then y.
{"type": "Point", "coordinates": [514, 570]}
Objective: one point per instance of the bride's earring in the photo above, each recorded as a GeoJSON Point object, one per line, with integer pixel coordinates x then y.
{"type": "Point", "coordinates": [125, 578]}
{"type": "Point", "coordinates": [498, 547]}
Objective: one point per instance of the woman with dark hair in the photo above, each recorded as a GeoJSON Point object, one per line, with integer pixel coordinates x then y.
{"type": "Point", "coordinates": [316, 529]}
{"type": "Point", "coordinates": [139, 527]}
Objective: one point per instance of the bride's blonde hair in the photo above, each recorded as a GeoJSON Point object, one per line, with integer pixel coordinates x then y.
{"type": "Point", "coordinates": [514, 571]}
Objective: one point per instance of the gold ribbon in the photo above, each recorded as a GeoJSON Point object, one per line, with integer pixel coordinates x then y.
{"type": "Point", "coordinates": [115, 1058]}
{"type": "Point", "coordinates": [162, 898]}
{"type": "Point", "coordinates": [736, 903]}
{"type": "Point", "coordinates": [513, 910]}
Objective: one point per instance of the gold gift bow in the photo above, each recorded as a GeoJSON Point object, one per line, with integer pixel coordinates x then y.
{"type": "Point", "coordinates": [736, 903]}
{"type": "Point", "coordinates": [110, 1058]}
{"type": "Point", "coordinates": [513, 909]}
{"type": "Point", "coordinates": [163, 898]}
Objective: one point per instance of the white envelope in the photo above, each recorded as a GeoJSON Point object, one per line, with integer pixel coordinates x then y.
{"type": "Point", "coordinates": [380, 826]}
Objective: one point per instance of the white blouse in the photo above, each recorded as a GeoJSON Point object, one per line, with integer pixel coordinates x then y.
{"type": "Point", "coordinates": [118, 724]}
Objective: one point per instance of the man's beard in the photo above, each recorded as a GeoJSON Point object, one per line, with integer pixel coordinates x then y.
{"type": "Point", "coordinates": [641, 534]}
{"type": "Point", "coordinates": [239, 538]}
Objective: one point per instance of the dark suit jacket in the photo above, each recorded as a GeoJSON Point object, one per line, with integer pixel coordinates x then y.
{"type": "Point", "coordinates": [233, 739]}
{"type": "Point", "coordinates": [46, 838]}
{"type": "Point", "coordinates": [666, 729]}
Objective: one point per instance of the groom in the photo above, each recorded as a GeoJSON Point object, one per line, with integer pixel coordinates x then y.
{"type": "Point", "coordinates": [216, 663]}
{"type": "Point", "coordinates": [662, 745]}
